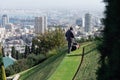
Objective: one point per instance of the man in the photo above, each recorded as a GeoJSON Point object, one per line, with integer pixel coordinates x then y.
{"type": "Point", "coordinates": [70, 36]}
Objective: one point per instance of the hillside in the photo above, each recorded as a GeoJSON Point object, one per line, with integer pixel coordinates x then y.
{"type": "Point", "coordinates": [51, 67]}
{"type": "Point", "coordinates": [45, 69]}
{"type": "Point", "coordinates": [64, 66]}
{"type": "Point", "coordinates": [89, 65]}
{"type": "Point", "coordinates": [68, 66]}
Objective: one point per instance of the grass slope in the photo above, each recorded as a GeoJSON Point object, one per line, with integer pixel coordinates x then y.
{"type": "Point", "coordinates": [88, 68]}
{"type": "Point", "coordinates": [59, 67]}
{"type": "Point", "coordinates": [45, 69]}
{"type": "Point", "coordinates": [68, 66]}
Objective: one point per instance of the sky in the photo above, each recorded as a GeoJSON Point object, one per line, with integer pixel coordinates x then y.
{"type": "Point", "coordinates": [49, 4]}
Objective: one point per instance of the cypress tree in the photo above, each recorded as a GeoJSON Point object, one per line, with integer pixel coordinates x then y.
{"type": "Point", "coordinates": [13, 52]}
{"type": "Point", "coordinates": [109, 48]}
{"type": "Point", "coordinates": [17, 55]}
{"type": "Point", "coordinates": [33, 48]}
{"type": "Point", "coordinates": [3, 52]}
{"type": "Point", "coordinates": [26, 51]}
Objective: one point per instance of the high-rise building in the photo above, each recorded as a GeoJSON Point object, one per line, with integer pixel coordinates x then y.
{"type": "Point", "coordinates": [45, 23]}
{"type": "Point", "coordinates": [5, 20]}
{"type": "Point", "coordinates": [40, 25]}
{"type": "Point", "coordinates": [80, 22]}
{"type": "Point", "coordinates": [88, 22]}
{"type": "Point", "coordinates": [97, 22]}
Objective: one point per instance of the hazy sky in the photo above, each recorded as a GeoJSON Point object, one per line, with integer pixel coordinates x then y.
{"type": "Point", "coordinates": [48, 4]}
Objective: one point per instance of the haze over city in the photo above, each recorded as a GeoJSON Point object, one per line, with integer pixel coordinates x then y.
{"type": "Point", "coordinates": [50, 4]}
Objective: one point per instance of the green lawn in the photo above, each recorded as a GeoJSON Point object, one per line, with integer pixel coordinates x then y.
{"type": "Point", "coordinates": [89, 66]}
{"type": "Point", "coordinates": [59, 67]}
{"type": "Point", "coordinates": [68, 66]}
{"type": "Point", "coordinates": [45, 69]}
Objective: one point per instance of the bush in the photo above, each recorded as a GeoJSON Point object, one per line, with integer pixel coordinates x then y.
{"type": "Point", "coordinates": [32, 59]}
{"type": "Point", "coordinates": [45, 43]}
{"type": "Point", "coordinates": [109, 47]}
{"type": "Point", "coordinates": [24, 64]}
{"type": "Point", "coordinates": [50, 40]}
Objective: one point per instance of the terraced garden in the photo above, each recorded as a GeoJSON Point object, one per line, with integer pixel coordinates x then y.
{"type": "Point", "coordinates": [45, 69]}
{"type": "Point", "coordinates": [64, 66]}
{"type": "Point", "coordinates": [89, 65]}
{"type": "Point", "coordinates": [68, 66]}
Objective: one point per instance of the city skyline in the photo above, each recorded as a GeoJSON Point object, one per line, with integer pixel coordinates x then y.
{"type": "Point", "coordinates": [52, 4]}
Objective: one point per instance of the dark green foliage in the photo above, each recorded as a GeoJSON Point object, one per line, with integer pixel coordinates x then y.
{"type": "Point", "coordinates": [1, 59]}
{"type": "Point", "coordinates": [0, 66]}
{"type": "Point", "coordinates": [44, 70]}
{"type": "Point", "coordinates": [17, 67]}
{"type": "Point", "coordinates": [39, 51]}
{"type": "Point", "coordinates": [3, 52]}
{"type": "Point", "coordinates": [23, 64]}
{"type": "Point", "coordinates": [49, 40]}
{"type": "Point", "coordinates": [32, 59]}
{"type": "Point", "coordinates": [32, 47]}
{"type": "Point", "coordinates": [29, 51]}
{"type": "Point", "coordinates": [13, 52]}
{"type": "Point", "coordinates": [17, 55]}
{"type": "Point", "coordinates": [2, 71]}
{"type": "Point", "coordinates": [109, 47]}
{"type": "Point", "coordinates": [26, 51]}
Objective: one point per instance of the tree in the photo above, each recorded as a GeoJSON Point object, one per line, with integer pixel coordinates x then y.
{"type": "Point", "coordinates": [50, 40]}
{"type": "Point", "coordinates": [26, 51]}
{"type": "Point", "coordinates": [37, 51]}
{"type": "Point", "coordinates": [109, 47]}
{"type": "Point", "coordinates": [29, 51]}
{"type": "Point", "coordinates": [17, 55]}
{"type": "Point", "coordinates": [13, 52]}
{"type": "Point", "coordinates": [3, 52]}
{"type": "Point", "coordinates": [2, 70]}
{"type": "Point", "coordinates": [33, 47]}
{"type": "Point", "coordinates": [18, 66]}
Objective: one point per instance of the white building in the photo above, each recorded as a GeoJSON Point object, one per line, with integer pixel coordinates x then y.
{"type": "Point", "coordinates": [18, 44]}
{"type": "Point", "coordinates": [40, 25]}
{"type": "Point", "coordinates": [2, 33]}
{"type": "Point", "coordinates": [88, 22]}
